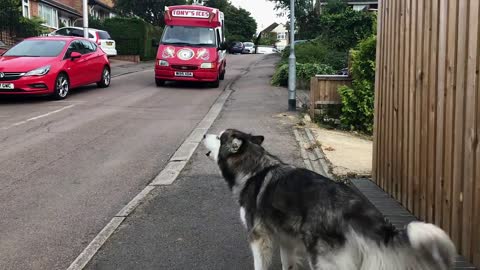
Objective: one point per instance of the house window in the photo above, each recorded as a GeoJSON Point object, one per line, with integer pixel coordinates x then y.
{"type": "Point", "coordinates": [281, 36]}
{"type": "Point", "coordinates": [49, 15]}
{"type": "Point", "coordinates": [26, 8]}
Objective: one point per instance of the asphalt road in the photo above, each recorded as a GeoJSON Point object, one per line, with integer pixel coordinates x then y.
{"type": "Point", "coordinates": [194, 224]}
{"type": "Point", "coordinates": [66, 167]}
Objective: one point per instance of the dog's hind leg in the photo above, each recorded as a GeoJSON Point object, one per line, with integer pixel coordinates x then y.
{"type": "Point", "coordinates": [262, 247]}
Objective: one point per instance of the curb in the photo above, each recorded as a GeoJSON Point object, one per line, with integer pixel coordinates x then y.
{"type": "Point", "coordinates": [166, 177]}
{"type": "Point", "coordinates": [311, 153]}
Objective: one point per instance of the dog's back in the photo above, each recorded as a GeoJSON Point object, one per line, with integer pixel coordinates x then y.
{"type": "Point", "coordinates": [342, 230]}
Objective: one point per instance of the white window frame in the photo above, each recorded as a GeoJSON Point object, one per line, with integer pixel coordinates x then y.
{"type": "Point", "coordinates": [26, 5]}
{"type": "Point", "coordinates": [54, 14]}
{"type": "Point", "coordinates": [281, 36]}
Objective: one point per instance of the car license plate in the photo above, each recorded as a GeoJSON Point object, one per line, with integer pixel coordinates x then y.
{"type": "Point", "coordinates": [8, 86]}
{"type": "Point", "coordinates": [109, 43]}
{"type": "Point", "coordinates": [183, 74]}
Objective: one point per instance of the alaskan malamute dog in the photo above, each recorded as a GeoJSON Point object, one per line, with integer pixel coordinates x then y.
{"type": "Point", "coordinates": [306, 213]}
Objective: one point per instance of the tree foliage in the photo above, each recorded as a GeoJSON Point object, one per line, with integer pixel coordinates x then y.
{"type": "Point", "coordinates": [358, 100]}
{"type": "Point", "coordinates": [268, 39]}
{"type": "Point", "coordinates": [11, 20]}
{"type": "Point", "coordinates": [239, 23]}
{"type": "Point", "coordinates": [151, 11]}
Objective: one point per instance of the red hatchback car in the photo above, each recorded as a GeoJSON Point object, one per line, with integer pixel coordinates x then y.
{"type": "Point", "coordinates": [52, 66]}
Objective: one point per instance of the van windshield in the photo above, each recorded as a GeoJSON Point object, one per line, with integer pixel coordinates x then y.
{"type": "Point", "coordinates": [189, 35]}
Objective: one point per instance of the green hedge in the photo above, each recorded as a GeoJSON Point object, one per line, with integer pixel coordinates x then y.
{"type": "Point", "coordinates": [304, 72]}
{"type": "Point", "coordinates": [132, 35]}
{"type": "Point", "coordinates": [358, 100]}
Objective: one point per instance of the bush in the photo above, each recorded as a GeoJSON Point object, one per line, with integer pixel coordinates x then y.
{"type": "Point", "coordinates": [132, 35]}
{"type": "Point", "coordinates": [358, 101]}
{"type": "Point", "coordinates": [304, 72]}
{"type": "Point", "coordinates": [317, 51]}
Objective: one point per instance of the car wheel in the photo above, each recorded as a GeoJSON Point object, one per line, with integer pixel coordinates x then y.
{"type": "Point", "coordinates": [62, 86]}
{"type": "Point", "coordinates": [216, 83]}
{"type": "Point", "coordinates": [159, 82]}
{"type": "Point", "coordinates": [106, 78]}
{"type": "Point", "coordinates": [222, 75]}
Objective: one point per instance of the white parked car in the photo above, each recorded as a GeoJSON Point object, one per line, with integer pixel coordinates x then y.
{"type": "Point", "coordinates": [100, 37]}
{"type": "Point", "coordinates": [262, 49]}
{"type": "Point", "coordinates": [249, 47]}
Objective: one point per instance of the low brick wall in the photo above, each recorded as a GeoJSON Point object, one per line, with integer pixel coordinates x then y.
{"type": "Point", "coordinates": [129, 58]}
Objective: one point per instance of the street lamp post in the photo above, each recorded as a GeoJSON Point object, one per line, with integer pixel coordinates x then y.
{"type": "Point", "coordinates": [292, 101]}
{"type": "Point", "coordinates": [85, 18]}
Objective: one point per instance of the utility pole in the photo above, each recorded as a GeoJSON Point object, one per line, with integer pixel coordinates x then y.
{"type": "Point", "coordinates": [85, 18]}
{"type": "Point", "coordinates": [292, 73]}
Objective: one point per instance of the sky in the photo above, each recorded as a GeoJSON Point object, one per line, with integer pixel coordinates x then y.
{"type": "Point", "coordinates": [262, 11]}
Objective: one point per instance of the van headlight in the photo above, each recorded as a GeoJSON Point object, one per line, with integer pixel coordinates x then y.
{"type": "Point", "coordinates": [39, 71]}
{"type": "Point", "coordinates": [207, 65]}
{"type": "Point", "coordinates": [163, 63]}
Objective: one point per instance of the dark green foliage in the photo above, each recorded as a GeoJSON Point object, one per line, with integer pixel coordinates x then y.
{"type": "Point", "coordinates": [151, 11]}
{"type": "Point", "coordinates": [304, 72]}
{"type": "Point", "coordinates": [11, 20]}
{"type": "Point", "coordinates": [133, 36]}
{"type": "Point", "coordinates": [358, 101]}
{"type": "Point", "coordinates": [318, 51]}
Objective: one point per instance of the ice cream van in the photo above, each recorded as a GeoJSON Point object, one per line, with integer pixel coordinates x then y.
{"type": "Point", "coordinates": [192, 47]}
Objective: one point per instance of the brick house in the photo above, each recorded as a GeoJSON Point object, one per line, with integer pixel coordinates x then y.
{"type": "Point", "coordinates": [58, 13]}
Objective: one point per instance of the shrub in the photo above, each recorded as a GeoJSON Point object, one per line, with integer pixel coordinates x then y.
{"type": "Point", "coordinates": [304, 72]}
{"type": "Point", "coordinates": [317, 51]}
{"type": "Point", "coordinates": [358, 100]}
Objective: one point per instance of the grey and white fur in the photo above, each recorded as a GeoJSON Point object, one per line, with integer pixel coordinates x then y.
{"type": "Point", "coordinates": [307, 214]}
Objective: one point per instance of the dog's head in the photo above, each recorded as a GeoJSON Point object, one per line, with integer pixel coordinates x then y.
{"type": "Point", "coordinates": [229, 143]}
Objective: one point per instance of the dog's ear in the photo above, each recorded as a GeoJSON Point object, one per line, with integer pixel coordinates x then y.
{"type": "Point", "coordinates": [236, 144]}
{"type": "Point", "coordinates": [257, 139]}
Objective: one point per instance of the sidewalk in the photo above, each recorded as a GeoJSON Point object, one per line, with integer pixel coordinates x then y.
{"type": "Point", "coordinates": [194, 223]}
{"type": "Point", "coordinates": [120, 67]}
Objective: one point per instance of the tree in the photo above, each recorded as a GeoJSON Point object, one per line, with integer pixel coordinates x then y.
{"type": "Point", "coordinates": [268, 39]}
{"type": "Point", "coordinates": [15, 23]}
{"type": "Point", "coordinates": [239, 23]}
{"type": "Point", "coordinates": [151, 11]}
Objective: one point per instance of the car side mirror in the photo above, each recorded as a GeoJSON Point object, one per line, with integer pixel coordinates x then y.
{"type": "Point", "coordinates": [222, 46]}
{"type": "Point", "coordinates": [75, 55]}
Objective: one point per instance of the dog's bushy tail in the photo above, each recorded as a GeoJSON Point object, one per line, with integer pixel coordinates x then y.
{"type": "Point", "coordinates": [430, 240]}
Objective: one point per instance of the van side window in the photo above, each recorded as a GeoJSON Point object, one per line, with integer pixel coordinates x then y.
{"type": "Point", "coordinates": [219, 39]}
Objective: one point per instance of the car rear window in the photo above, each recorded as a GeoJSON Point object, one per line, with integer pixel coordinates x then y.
{"type": "Point", "coordinates": [103, 35]}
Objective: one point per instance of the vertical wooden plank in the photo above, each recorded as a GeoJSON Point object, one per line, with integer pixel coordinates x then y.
{"type": "Point", "coordinates": [411, 105]}
{"type": "Point", "coordinates": [384, 123]}
{"type": "Point", "coordinates": [313, 91]}
{"type": "Point", "coordinates": [400, 109]}
{"type": "Point", "coordinates": [440, 123]}
{"type": "Point", "coordinates": [393, 101]}
{"type": "Point", "coordinates": [417, 107]}
{"type": "Point", "coordinates": [377, 92]}
{"type": "Point", "coordinates": [381, 98]}
{"type": "Point", "coordinates": [459, 122]}
{"type": "Point", "coordinates": [391, 63]}
{"type": "Point", "coordinates": [449, 111]}
{"type": "Point", "coordinates": [406, 94]}
{"type": "Point", "coordinates": [476, 208]}
{"type": "Point", "coordinates": [424, 94]}
{"type": "Point", "coordinates": [432, 110]}
{"type": "Point", "coordinates": [470, 136]}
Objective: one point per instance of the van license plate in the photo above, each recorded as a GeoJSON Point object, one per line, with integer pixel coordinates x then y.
{"type": "Point", "coordinates": [109, 43]}
{"type": "Point", "coordinates": [8, 86]}
{"type": "Point", "coordinates": [183, 74]}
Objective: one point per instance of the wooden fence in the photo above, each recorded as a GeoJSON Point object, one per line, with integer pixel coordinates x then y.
{"type": "Point", "coordinates": [324, 90]}
{"type": "Point", "coordinates": [427, 113]}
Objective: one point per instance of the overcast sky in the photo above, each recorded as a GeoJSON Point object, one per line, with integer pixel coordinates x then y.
{"type": "Point", "coordinates": [262, 10]}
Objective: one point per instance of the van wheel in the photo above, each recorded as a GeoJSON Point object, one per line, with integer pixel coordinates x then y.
{"type": "Point", "coordinates": [222, 75]}
{"type": "Point", "coordinates": [159, 82]}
